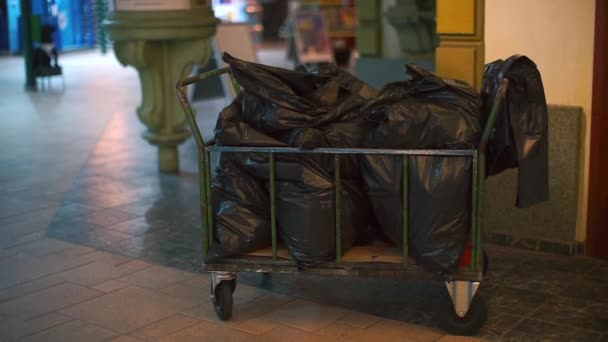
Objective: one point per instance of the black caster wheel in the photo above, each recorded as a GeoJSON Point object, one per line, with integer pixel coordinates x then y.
{"type": "Point", "coordinates": [486, 263]}
{"type": "Point", "coordinates": [232, 284]}
{"type": "Point", "coordinates": [222, 300]}
{"type": "Point", "coordinates": [468, 325]}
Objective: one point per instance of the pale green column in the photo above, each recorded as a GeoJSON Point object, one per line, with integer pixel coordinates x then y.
{"type": "Point", "coordinates": [163, 46]}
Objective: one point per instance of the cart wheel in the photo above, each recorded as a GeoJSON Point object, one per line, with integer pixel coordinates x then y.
{"type": "Point", "coordinates": [469, 325]}
{"type": "Point", "coordinates": [232, 284]}
{"type": "Point", "coordinates": [486, 263]}
{"type": "Point", "coordinates": [222, 300]}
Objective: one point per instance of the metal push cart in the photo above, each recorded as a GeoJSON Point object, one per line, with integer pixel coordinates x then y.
{"type": "Point", "coordinates": [463, 312]}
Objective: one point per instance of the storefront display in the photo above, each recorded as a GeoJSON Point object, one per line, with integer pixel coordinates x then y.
{"type": "Point", "coordinates": [74, 20]}
{"type": "Point", "coordinates": [339, 23]}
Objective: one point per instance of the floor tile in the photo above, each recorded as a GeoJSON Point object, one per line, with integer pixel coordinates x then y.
{"type": "Point", "coordinates": [546, 282]}
{"type": "Point", "coordinates": [72, 210]}
{"type": "Point", "coordinates": [11, 240]}
{"type": "Point", "coordinates": [107, 217]}
{"type": "Point", "coordinates": [590, 286]}
{"type": "Point", "coordinates": [201, 281]}
{"type": "Point", "coordinates": [28, 287]}
{"type": "Point", "coordinates": [205, 331]}
{"type": "Point", "coordinates": [190, 293]}
{"type": "Point", "coordinates": [386, 330]}
{"type": "Point", "coordinates": [128, 309]}
{"type": "Point", "coordinates": [21, 269]}
{"type": "Point", "coordinates": [40, 247]}
{"type": "Point", "coordinates": [449, 338]}
{"type": "Point", "coordinates": [164, 327]}
{"type": "Point", "coordinates": [305, 315]}
{"type": "Point", "coordinates": [284, 333]}
{"type": "Point", "coordinates": [110, 286]}
{"type": "Point", "coordinates": [108, 258]}
{"type": "Point", "coordinates": [15, 227]}
{"type": "Point", "coordinates": [250, 317]}
{"type": "Point", "coordinates": [13, 206]}
{"type": "Point", "coordinates": [156, 277]}
{"type": "Point", "coordinates": [530, 330]}
{"type": "Point", "coordinates": [13, 328]}
{"type": "Point", "coordinates": [341, 331]}
{"type": "Point", "coordinates": [512, 300]}
{"type": "Point", "coordinates": [48, 300]}
{"type": "Point", "coordinates": [499, 323]}
{"type": "Point", "coordinates": [72, 331]}
{"type": "Point", "coordinates": [91, 274]}
{"type": "Point", "coordinates": [138, 226]}
{"type": "Point", "coordinates": [545, 262]}
{"type": "Point", "coordinates": [125, 338]}
{"type": "Point", "coordinates": [135, 265]}
{"type": "Point", "coordinates": [359, 319]}
{"type": "Point", "coordinates": [245, 293]}
{"type": "Point", "coordinates": [575, 312]}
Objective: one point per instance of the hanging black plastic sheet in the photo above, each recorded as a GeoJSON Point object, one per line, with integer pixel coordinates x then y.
{"type": "Point", "coordinates": [520, 137]}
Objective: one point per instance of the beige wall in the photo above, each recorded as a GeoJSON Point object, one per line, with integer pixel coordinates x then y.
{"type": "Point", "coordinates": [558, 36]}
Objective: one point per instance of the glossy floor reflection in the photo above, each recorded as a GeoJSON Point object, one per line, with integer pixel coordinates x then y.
{"type": "Point", "coordinates": [75, 168]}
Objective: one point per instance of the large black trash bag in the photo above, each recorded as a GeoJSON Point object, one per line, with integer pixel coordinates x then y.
{"type": "Point", "coordinates": [520, 137]}
{"type": "Point", "coordinates": [306, 217]}
{"type": "Point", "coordinates": [439, 205]}
{"type": "Point", "coordinates": [277, 99]}
{"type": "Point", "coordinates": [241, 212]}
{"type": "Point", "coordinates": [300, 109]}
{"type": "Point", "coordinates": [306, 200]}
{"type": "Point", "coordinates": [305, 190]}
{"type": "Point", "coordinates": [231, 130]}
{"type": "Point", "coordinates": [354, 92]}
{"type": "Point", "coordinates": [348, 134]}
{"type": "Point", "coordinates": [425, 112]}
{"type": "Point", "coordinates": [440, 216]}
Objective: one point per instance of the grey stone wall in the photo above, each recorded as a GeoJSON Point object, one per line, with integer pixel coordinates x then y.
{"type": "Point", "coordinates": [552, 221]}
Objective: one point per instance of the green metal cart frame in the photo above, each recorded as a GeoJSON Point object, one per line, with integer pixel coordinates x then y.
{"type": "Point", "coordinates": [464, 313]}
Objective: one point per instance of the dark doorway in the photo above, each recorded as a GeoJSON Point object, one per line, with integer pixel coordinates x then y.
{"type": "Point", "coordinates": [3, 26]}
{"type": "Point", "coordinates": [597, 214]}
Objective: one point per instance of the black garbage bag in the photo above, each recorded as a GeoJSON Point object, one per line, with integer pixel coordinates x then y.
{"type": "Point", "coordinates": [520, 137]}
{"type": "Point", "coordinates": [348, 134]}
{"type": "Point", "coordinates": [304, 188]}
{"type": "Point", "coordinates": [427, 112]}
{"type": "Point", "coordinates": [278, 99]}
{"type": "Point", "coordinates": [306, 200]}
{"type": "Point", "coordinates": [439, 205]}
{"type": "Point", "coordinates": [231, 130]}
{"type": "Point", "coordinates": [306, 217]}
{"type": "Point", "coordinates": [354, 92]}
{"type": "Point", "coordinates": [242, 212]}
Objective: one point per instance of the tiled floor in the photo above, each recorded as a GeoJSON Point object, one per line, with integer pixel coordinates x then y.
{"type": "Point", "coordinates": [95, 244]}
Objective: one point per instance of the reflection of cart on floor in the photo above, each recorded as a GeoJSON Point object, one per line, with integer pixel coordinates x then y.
{"type": "Point", "coordinates": [463, 312]}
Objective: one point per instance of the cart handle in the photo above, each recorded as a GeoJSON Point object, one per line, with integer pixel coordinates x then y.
{"type": "Point", "coordinates": [496, 104]}
{"type": "Point", "coordinates": [183, 98]}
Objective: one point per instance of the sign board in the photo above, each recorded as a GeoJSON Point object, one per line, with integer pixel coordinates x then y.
{"type": "Point", "coordinates": [311, 34]}
{"type": "Point", "coordinates": [151, 5]}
